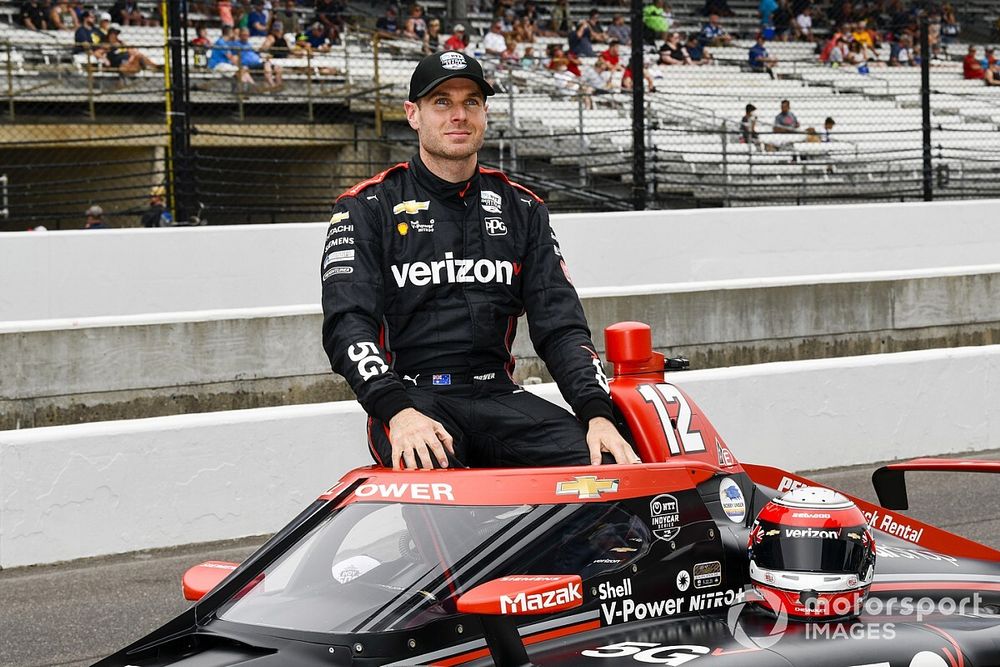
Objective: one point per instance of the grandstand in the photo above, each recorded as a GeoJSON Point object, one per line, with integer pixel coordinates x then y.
{"type": "Point", "coordinates": [339, 119]}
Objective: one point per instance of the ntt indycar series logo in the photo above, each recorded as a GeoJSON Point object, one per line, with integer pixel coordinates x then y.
{"type": "Point", "coordinates": [452, 270]}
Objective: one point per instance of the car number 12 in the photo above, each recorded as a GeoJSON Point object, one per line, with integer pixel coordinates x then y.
{"type": "Point", "coordinates": [681, 438]}
{"type": "Point", "coordinates": [649, 653]}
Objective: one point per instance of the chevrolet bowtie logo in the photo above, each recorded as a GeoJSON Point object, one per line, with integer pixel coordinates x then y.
{"type": "Point", "coordinates": [410, 207]}
{"type": "Point", "coordinates": [587, 486]}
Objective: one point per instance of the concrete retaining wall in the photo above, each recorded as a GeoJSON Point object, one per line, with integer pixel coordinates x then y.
{"type": "Point", "coordinates": [131, 271]}
{"type": "Point", "coordinates": [54, 372]}
{"type": "Point", "coordinates": [93, 489]}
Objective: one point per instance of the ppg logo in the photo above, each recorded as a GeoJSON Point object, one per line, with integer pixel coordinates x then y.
{"type": "Point", "coordinates": [496, 227]}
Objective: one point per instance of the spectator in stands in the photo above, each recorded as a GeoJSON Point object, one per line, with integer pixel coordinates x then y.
{"type": "Point", "coordinates": [62, 16]}
{"type": "Point", "coordinates": [528, 59]}
{"type": "Point", "coordinates": [713, 34]}
{"type": "Point", "coordinates": [950, 28]}
{"type": "Point", "coordinates": [225, 58]}
{"type": "Point", "coordinates": [289, 17]}
{"type": "Point", "coordinates": [560, 18]}
{"type": "Point", "coordinates": [528, 14]}
{"type": "Point", "coordinates": [766, 9]}
{"type": "Point", "coordinates": [748, 127]}
{"type": "Point", "coordinates": [673, 52]}
{"type": "Point", "coordinates": [803, 26]}
{"type": "Point", "coordinates": [856, 57]}
{"type": "Point", "coordinates": [627, 81]}
{"type": "Point", "coordinates": [827, 129]}
{"type": "Point", "coordinates": [493, 42]}
{"type": "Point", "coordinates": [596, 80]}
{"type": "Point", "coordinates": [388, 25]}
{"type": "Point", "coordinates": [510, 57]}
{"type": "Point", "coordinates": [901, 52]}
{"type": "Point", "coordinates": [127, 60]}
{"type": "Point", "coordinates": [699, 54]}
{"type": "Point", "coordinates": [581, 39]}
{"type": "Point", "coordinates": [760, 60]}
{"type": "Point", "coordinates": [126, 12]}
{"type": "Point", "coordinates": [618, 30]}
{"type": "Point", "coordinates": [992, 75]}
{"type": "Point", "coordinates": [224, 8]}
{"type": "Point", "coordinates": [156, 215]}
{"type": "Point", "coordinates": [95, 218]}
{"type": "Point", "coordinates": [416, 26]}
{"type": "Point", "coordinates": [971, 67]}
{"type": "Point", "coordinates": [252, 61]}
{"type": "Point", "coordinates": [566, 83]}
{"type": "Point", "coordinates": [990, 57]}
{"type": "Point", "coordinates": [257, 20]}
{"type": "Point", "coordinates": [524, 32]}
{"type": "Point", "coordinates": [457, 40]}
{"type": "Point", "coordinates": [432, 38]}
{"type": "Point", "coordinates": [718, 7]}
{"type": "Point", "coordinates": [782, 20]}
{"type": "Point", "coordinates": [318, 39]}
{"type": "Point", "coordinates": [275, 44]}
{"type": "Point", "coordinates": [507, 21]}
{"type": "Point", "coordinates": [786, 121]}
{"type": "Point", "coordinates": [103, 25]}
{"type": "Point", "coordinates": [86, 37]}
{"type": "Point", "coordinates": [655, 21]}
{"type": "Point", "coordinates": [611, 56]}
{"type": "Point", "coordinates": [597, 29]}
{"type": "Point", "coordinates": [33, 16]}
{"type": "Point", "coordinates": [331, 14]}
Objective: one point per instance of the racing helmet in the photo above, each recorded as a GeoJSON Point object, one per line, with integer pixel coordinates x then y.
{"type": "Point", "coordinates": [812, 555]}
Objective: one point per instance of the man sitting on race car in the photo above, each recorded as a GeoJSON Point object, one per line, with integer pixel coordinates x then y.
{"type": "Point", "coordinates": [426, 268]}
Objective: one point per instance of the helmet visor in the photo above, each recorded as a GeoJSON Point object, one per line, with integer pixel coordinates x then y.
{"type": "Point", "coordinates": [826, 550]}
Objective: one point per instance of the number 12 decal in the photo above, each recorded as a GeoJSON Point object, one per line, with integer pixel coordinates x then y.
{"type": "Point", "coordinates": [680, 439]}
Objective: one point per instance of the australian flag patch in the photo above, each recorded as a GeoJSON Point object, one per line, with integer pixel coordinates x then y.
{"type": "Point", "coordinates": [441, 378]}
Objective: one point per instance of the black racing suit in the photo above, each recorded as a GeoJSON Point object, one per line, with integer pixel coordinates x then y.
{"type": "Point", "coordinates": [423, 283]}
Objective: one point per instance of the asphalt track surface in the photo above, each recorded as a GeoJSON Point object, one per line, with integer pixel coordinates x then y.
{"type": "Point", "coordinates": [72, 614]}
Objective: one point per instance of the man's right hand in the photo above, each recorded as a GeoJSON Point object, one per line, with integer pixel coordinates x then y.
{"type": "Point", "coordinates": [415, 438]}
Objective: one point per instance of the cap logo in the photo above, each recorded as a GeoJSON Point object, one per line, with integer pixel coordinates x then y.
{"type": "Point", "coordinates": [453, 61]}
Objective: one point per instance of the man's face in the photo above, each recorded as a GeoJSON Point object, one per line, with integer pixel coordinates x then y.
{"type": "Point", "coordinates": [451, 120]}
{"type": "Point", "coordinates": [713, 19]}
{"type": "Point", "coordinates": [244, 35]}
{"type": "Point", "coordinates": [785, 106]}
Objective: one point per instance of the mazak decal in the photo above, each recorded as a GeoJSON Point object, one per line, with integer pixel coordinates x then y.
{"type": "Point", "coordinates": [536, 601]}
{"type": "Point", "coordinates": [707, 575]}
{"type": "Point", "coordinates": [495, 226]}
{"type": "Point", "coordinates": [664, 517]}
{"type": "Point", "coordinates": [407, 490]}
{"type": "Point", "coordinates": [410, 207]}
{"type": "Point", "coordinates": [587, 487]}
{"type": "Point", "coordinates": [888, 523]}
{"type": "Point", "coordinates": [452, 270]}
{"type": "Point", "coordinates": [731, 498]}
{"type": "Point", "coordinates": [490, 201]}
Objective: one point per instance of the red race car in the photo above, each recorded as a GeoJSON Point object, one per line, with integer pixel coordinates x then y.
{"type": "Point", "coordinates": [690, 557]}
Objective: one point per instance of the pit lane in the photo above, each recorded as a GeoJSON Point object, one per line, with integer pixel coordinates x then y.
{"type": "Point", "coordinates": [70, 615]}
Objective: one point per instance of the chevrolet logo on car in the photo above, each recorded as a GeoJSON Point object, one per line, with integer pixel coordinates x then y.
{"type": "Point", "coordinates": [587, 487]}
{"type": "Point", "coordinates": [410, 207]}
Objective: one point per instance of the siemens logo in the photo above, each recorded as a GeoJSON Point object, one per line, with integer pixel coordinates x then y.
{"type": "Point", "coordinates": [451, 270]}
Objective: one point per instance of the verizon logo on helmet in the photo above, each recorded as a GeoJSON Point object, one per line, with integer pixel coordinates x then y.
{"type": "Point", "coordinates": [545, 600]}
{"type": "Point", "coordinates": [812, 532]}
{"type": "Point", "coordinates": [451, 270]}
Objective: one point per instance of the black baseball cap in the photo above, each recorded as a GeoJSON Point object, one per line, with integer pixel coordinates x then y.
{"type": "Point", "coordinates": [435, 69]}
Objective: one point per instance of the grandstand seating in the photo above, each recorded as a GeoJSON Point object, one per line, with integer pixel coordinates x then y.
{"type": "Point", "coordinates": [693, 116]}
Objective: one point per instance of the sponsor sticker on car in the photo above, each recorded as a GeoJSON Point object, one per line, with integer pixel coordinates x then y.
{"type": "Point", "coordinates": [731, 498]}
{"type": "Point", "coordinates": [664, 517]}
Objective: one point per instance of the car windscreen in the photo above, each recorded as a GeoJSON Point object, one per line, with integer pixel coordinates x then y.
{"type": "Point", "coordinates": [388, 566]}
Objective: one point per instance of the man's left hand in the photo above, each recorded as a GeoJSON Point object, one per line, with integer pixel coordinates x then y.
{"type": "Point", "coordinates": [602, 436]}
